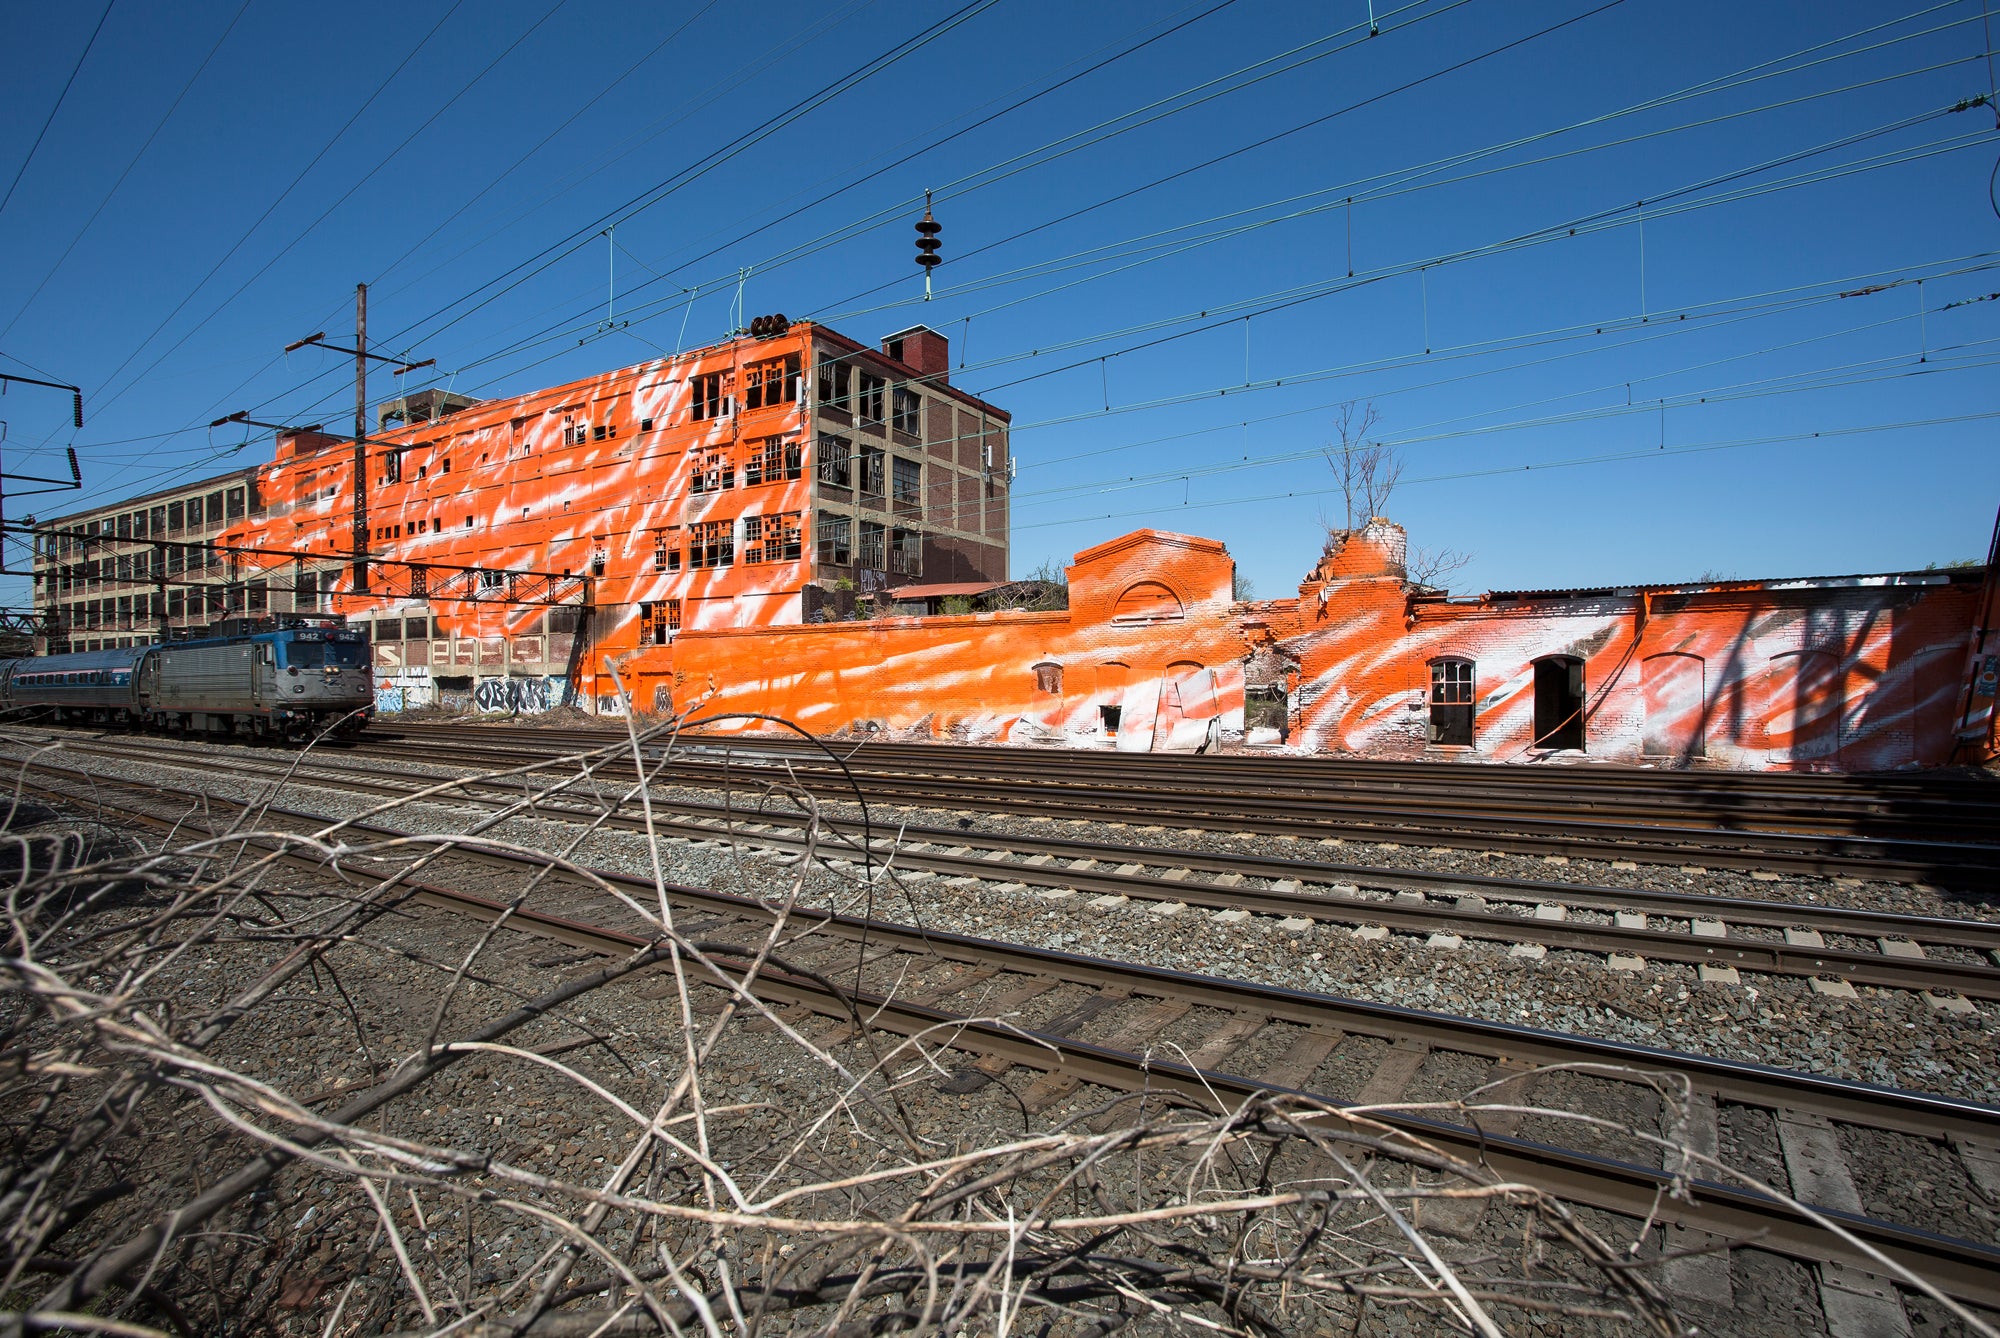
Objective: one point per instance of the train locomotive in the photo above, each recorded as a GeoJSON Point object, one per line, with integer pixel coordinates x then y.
{"type": "Point", "coordinates": [284, 677]}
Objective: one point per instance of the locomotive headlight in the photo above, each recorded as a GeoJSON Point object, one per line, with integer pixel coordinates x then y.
{"type": "Point", "coordinates": [293, 671]}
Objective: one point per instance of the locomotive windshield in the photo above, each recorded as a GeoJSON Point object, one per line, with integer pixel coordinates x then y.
{"type": "Point", "coordinates": [314, 654]}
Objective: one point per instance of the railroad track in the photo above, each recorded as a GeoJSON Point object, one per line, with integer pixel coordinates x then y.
{"type": "Point", "coordinates": [1832, 947]}
{"type": "Point", "coordinates": [1102, 1016]}
{"type": "Point", "coordinates": [1938, 805]}
{"type": "Point", "coordinates": [1047, 786]}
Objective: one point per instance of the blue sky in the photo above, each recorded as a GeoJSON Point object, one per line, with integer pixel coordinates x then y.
{"type": "Point", "coordinates": [1598, 251]}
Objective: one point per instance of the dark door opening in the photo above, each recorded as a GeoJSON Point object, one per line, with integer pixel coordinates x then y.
{"type": "Point", "coordinates": [1451, 703]}
{"type": "Point", "coordinates": [1559, 703]}
{"type": "Point", "coordinates": [1109, 715]}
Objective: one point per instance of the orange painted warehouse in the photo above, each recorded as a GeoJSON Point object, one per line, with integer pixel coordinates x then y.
{"type": "Point", "coordinates": [738, 485]}
{"type": "Point", "coordinates": [724, 504]}
{"type": "Point", "coordinates": [1855, 673]}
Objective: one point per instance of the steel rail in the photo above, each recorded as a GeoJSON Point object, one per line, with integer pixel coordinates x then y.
{"type": "Point", "coordinates": [1955, 864]}
{"type": "Point", "coordinates": [1468, 920]}
{"type": "Point", "coordinates": [1967, 1269]}
{"type": "Point", "coordinates": [1469, 795]}
{"type": "Point", "coordinates": [1368, 771]}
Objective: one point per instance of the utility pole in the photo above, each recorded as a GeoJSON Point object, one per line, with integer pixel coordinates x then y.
{"type": "Point", "coordinates": [361, 357]}
{"type": "Point", "coordinates": [360, 439]}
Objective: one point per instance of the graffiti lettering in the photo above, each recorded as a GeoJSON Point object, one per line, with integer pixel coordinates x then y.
{"type": "Point", "coordinates": [527, 696]}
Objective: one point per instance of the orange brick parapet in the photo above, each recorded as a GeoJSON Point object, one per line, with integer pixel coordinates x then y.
{"type": "Point", "coordinates": [1851, 673]}
{"type": "Point", "coordinates": [1149, 656]}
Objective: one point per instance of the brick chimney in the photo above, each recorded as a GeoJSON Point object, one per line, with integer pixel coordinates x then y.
{"type": "Point", "coordinates": [922, 348]}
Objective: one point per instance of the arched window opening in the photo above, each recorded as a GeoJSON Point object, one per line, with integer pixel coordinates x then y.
{"type": "Point", "coordinates": [1148, 602]}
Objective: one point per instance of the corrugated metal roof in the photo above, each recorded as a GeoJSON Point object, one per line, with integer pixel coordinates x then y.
{"type": "Point", "coordinates": [1856, 581]}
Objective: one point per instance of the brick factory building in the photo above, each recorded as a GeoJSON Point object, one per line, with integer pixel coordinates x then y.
{"type": "Point", "coordinates": [694, 532]}
{"type": "Point", "coordinates": [763, 481]}
{"type": "Point", "coordinates": [1855, 673]}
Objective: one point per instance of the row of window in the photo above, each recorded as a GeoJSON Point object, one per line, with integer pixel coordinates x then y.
{"type": "Point", "coordinates": [212, 601]}
{"type": "Point", "coordinates": [766, 385]}
{"type": "Point", "coordinates": [76, 678]}
{"type": "Point", "coordinates": [871, 545]}
{"type": "Point", "coordinates": [779, 538]}
{"type": "Point", "coordinates": [1559, 702]}
{"type": "Point", "coordinates": [157, 522]}
{"type": "Point", "coordinates": [144, 565]}
{"type": "Point", "coordinates": [904, 477]}
{"type": "Point", "coordinates": [712, 543]}
{"type": "Point", "coordinates": [774, 460]}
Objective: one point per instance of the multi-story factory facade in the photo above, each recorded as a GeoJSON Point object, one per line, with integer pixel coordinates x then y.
{"type": "Point", "coordinates": [691, 533]}
{"type": "Point", "coordinates": [128, 574]}
{"type": "Point", "coordinates": [758, 482]}
{"type": "Point", "coordinates": [750, 483]}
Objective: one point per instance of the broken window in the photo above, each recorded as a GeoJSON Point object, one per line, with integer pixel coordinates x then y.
{"type": "Point", "coordinates": [1048, 677]}
{"type": "Point", "coordinates": [236, 499]}
{"type": "Point", "coordinates": [711, 395]}
{"type": "Point", "coordinates": [769, 384]}
{"type": "Point", "coordinates": [868, 390]}
{"type": "Point", "coordinates": [836, 538]}
{"type": "Point", "coordinates": [392, 468]}
{"type": "Point", "coordinates": [714, 471]}
{"type": "Point", "coordinates": [125, 527]}
{"type": "Point", "coordinates": [874, 549]}
{"type": "Point", "coordinates": [260, 597]}
{"type": "Point", "coordinates": [836, 461]}
{"type": "Point", "coordinates": [772, 460]}
{"type": "Point", "coordinates": [215, 508]}
{"type": "Point", "coordinates": [1451, 703]}
{"type": "Point", "coordinates": [871, 470]}
{"type": "Point", "coordinates": [906, 552]}
{"type": "Point", "coordinates": [773, 538]}
{"type": "Point", "coordinates": [667, 549]}
{"type": "Point", "coordinates": [908, 415]}
{"type": "Point", "coordinates": [658, 621]}
{"type": "Point", "coordinates": [835, 381]}
{"type": "Point", "coordinates": [712, 543]}
{"type": "Point", "coordinates": [907, 487]}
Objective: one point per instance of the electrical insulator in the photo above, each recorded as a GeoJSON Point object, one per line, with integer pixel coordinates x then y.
{"type": "Point", "coordinates": [927, 243]}
{"type": "Point", "coordinates": [766, 327]}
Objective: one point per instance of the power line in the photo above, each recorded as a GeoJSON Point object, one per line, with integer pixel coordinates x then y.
{"type": "Point", "coordinates": [60, 98]}
{"type": "Point", "coordinates": [158, 126]}
{"type": "Point", "coordinates": [281, 197]}
{"type": "Point", "coordinates": [1646, 453]}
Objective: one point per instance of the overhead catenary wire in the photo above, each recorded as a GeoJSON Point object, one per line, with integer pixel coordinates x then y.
{"type": "Point", "coordinates": [1724, 81]}
{"type": "Point", "coordinates": [158, 126]}
{"type": "Point", "coordinates": [1613, 457]}
{"type": "Point", "coordinates": [1101, 355]}
{"type": "Point", "coordinates": [57, 106]}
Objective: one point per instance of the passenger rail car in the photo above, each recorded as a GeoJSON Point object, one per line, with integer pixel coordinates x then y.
{"type": "Point", "coordinates": [260, 680]}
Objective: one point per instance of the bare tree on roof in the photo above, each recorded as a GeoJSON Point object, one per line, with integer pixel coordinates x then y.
{"type": "Point", "coordinates": [1366, 471]}
{"type": "Point", "coordinates": [1430, 566]}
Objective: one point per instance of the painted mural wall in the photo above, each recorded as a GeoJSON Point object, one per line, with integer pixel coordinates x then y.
{"type": "Point", "coordinates": [1148, 657]}
{"type": "Point", "coordinates": [1858, 673]}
